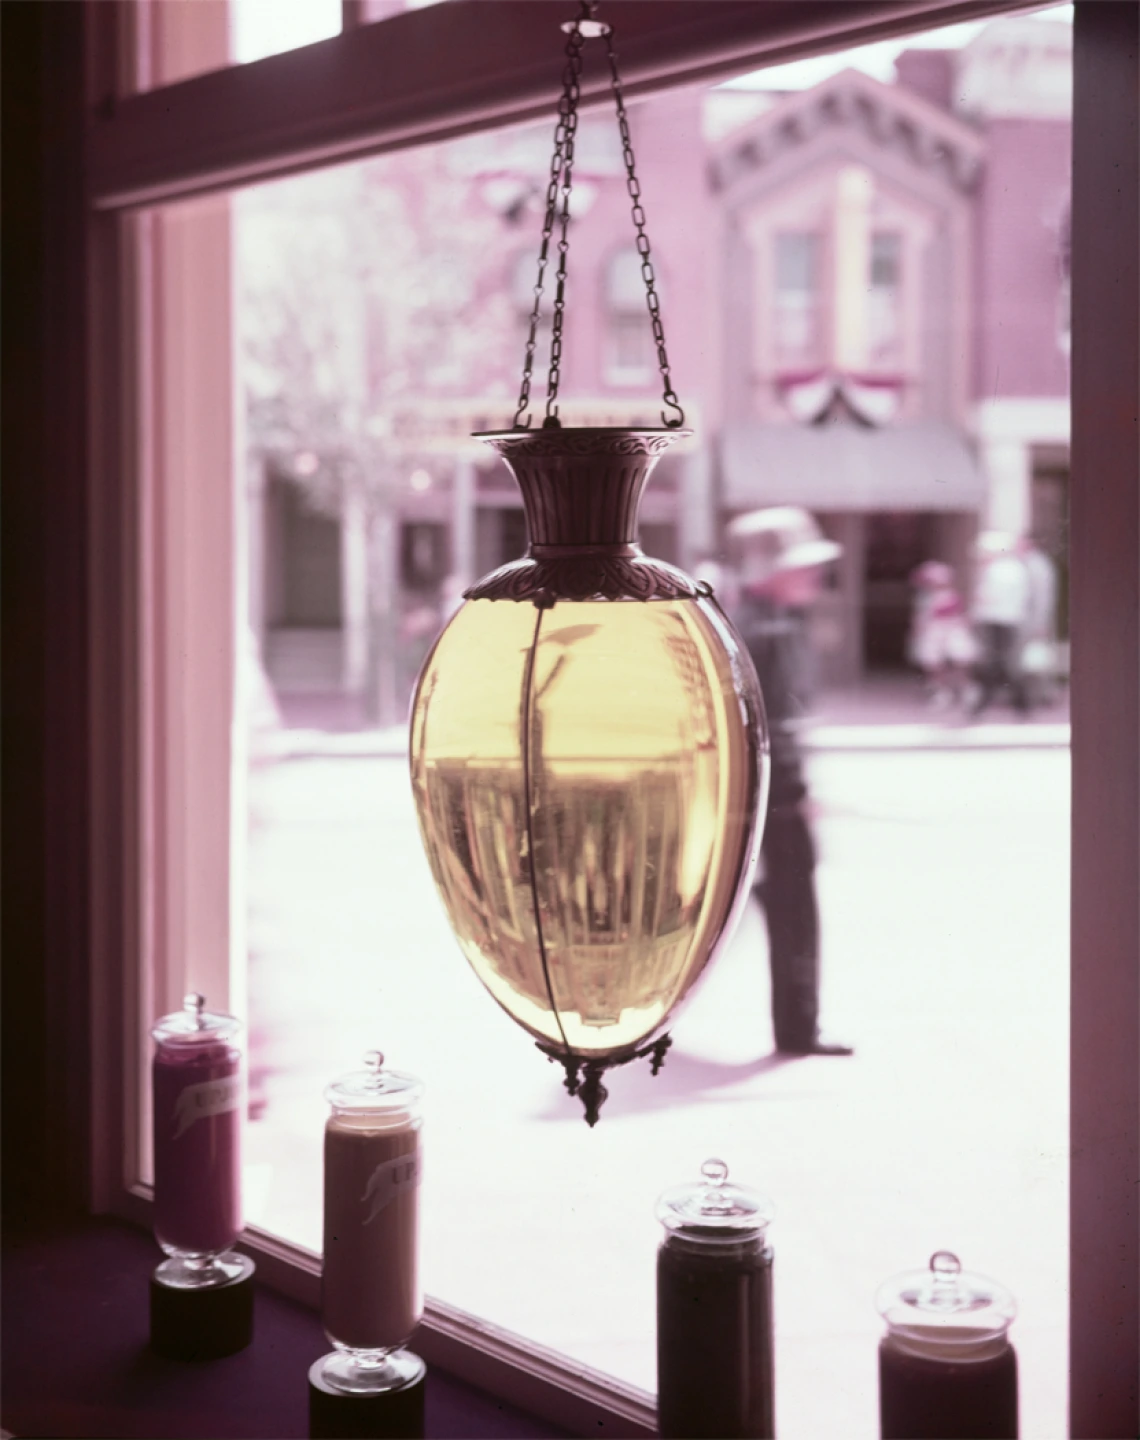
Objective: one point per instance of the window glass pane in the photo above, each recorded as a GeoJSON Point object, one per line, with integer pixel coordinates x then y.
{"type": "Point", "coordinates": [797, 262]}
{"type": "Point", "coordinates": [176, 39]}
{"type": "Point", "coordinates": [625, 283]}
{"type": "Point", "coordinates": [796, 313]}
{"type": "Point", "coordinates": [631, 346]}
{"type": "Point", "coordinates": [884, 297]}
{"type": "Point", "coordinates": [270, 27]}
{"type": "Point", "coordinates": [379, 313]}
{"type": "Point", "coordinates": [885, 250]}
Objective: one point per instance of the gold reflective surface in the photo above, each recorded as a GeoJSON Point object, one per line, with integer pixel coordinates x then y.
{"type": "Point", "coordinates": [637, 732]}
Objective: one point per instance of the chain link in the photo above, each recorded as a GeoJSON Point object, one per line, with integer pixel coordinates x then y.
{"type": "Point", "coordinates": [569, 112]}
{"type": "Point", "coordinates": [633, 185]}
{"type": "Point", "coordinates": [561, 166]}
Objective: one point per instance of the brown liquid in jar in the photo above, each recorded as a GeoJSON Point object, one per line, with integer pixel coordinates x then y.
{"type": "Point", "coordinates": [923, 1398]}
{"type": "Point", "coordinates": [714, 1340]}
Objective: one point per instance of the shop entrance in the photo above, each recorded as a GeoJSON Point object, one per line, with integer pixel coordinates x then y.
{"type": "Point", "coordinates": [1049, 526]}
{"type": "Point", "coordinates": [305, 582]}
{"type": "Point", "coordinates": [896, 541]}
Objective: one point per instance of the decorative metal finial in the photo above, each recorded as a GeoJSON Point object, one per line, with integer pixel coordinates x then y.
{"type": "Point", "coordinates": [592, 1091]}
{"type": "Point", "coordinates": [584, 1076]}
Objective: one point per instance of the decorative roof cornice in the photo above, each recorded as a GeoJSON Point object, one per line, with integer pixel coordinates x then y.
{"type": "Point", "coordinates": [889, 115]}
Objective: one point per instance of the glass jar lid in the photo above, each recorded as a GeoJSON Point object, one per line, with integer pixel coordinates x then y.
{"type": "Point", "coordinates": [945, 1305]}
{"type": "Point", "coordinates": [374, 1088]}
{"type": "Point", "coordinates": [194, 1025]}
{"type": "Point", "coordinates": [713, 1210]}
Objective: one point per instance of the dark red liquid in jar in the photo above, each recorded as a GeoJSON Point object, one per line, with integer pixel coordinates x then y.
{"type": "Point", "coordinates": [921, 1398]}
{"type": "Point", "coordinates": [714, 1341]}
{"type": "Point", "coordinates": [197, 1146]}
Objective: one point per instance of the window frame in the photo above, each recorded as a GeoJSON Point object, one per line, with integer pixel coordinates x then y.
{"type": "Point", "coordinates": [437, 72]}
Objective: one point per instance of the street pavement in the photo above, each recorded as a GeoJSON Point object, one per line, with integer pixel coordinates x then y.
{"type": "Point", "coordinates": [943, 883]}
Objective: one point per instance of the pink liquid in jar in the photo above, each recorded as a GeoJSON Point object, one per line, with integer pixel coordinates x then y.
{"type": "Point", "coordinates": [198, 1095]}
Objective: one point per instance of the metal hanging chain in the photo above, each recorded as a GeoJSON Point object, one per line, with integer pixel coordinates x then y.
{"type": "Point", "coordinates": [560, 178]}
{"type": "Point", "coordinates": [633, 185]}
{"type": "Point", "coordinates": [569, 113]}
{"type": "Point", "coordinates": [561, 167]}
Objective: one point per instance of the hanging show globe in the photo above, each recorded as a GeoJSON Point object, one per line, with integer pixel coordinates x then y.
{"type": "Point", "coordinates": [589, 761]}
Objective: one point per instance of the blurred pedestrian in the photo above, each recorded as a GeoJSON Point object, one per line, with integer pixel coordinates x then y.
{"type": "Point", "coordinates": [940, 643]}
{"type": "Point", "coordinates": [1039, 633]}
{"type": "Point", "coordinates": [783, 557]}
{"type": "Point", "coordinates": [1000, 612]}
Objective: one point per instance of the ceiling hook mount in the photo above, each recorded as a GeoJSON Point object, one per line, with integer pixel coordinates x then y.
{"type": "Point", "coordinates": [587, 24]}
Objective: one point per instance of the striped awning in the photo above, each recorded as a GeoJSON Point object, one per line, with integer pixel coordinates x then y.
{"type": "Point", "coordinates": [845, 466]}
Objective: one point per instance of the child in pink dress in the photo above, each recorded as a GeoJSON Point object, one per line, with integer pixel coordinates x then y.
{"type": "Point", "coordinates": [941, 643]}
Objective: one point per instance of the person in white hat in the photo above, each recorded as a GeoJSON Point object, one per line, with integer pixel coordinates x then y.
{"type": "Point", "coordinates": [783, 556]}
{"type": "Point", "coordinates": [1000, 611]}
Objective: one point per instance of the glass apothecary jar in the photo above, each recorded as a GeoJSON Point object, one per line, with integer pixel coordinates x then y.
{"type": "Point", "coordinates": [370, 1293]}
{"type": "Point", "coordinates": [198, 1093]}
{"type": "Point", "coordinates": [947, 1370]}
{"type": "Point", "coordinates": [714, 1311]}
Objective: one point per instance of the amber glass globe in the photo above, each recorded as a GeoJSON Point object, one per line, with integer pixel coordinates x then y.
{"type": "Point", "coordinates": [589, 764]}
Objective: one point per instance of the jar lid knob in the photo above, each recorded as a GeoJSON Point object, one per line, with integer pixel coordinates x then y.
{"type": "Point", "coordinates": [374, 1064]}
{"type": "Point", "coordinates": [194, 1005]}
{"type": "Point", "coordinates": [946, 1291]}
{"type": "Point", "coordinates": [713, 1198]}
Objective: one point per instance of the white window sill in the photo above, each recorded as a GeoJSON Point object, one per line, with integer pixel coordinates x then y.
{"type": "Point", "coordinates": [527, 1376]}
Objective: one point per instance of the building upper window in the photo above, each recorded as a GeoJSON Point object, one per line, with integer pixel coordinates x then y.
{"type": "Point", "coordinates": [884, 296]}
{"type": "Point", "coordinates": [797, 296]}
{"type": "Point", "coordinates": [630, 355]}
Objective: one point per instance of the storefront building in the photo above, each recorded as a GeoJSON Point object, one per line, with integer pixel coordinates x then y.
{"type": "Point", "coordinates": [865, 292]}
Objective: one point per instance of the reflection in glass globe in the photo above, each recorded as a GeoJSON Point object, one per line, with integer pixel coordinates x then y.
{"type": "Point", "coordinates": [590, 777]}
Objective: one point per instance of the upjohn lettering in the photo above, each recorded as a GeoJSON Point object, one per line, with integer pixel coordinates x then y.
{"type": "Point", "coordinates": [388, 1179]}
{"type": "Point", "coordinates": [209, 1097]}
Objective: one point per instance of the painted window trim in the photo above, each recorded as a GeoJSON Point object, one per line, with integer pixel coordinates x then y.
{"type": "Point", "coordinates": [433, 73]}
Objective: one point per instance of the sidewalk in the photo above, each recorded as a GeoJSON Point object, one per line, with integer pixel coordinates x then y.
{"type": "Point", "coordinates": [884, 713]}
{"type": "Point", "coordinates": [892, 713]}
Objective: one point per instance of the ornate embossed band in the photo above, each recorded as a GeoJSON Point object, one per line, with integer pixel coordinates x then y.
{"type": "Point", "coordinates": [586, 577]}
{"type": "Point", "coordinates": [581, 490]}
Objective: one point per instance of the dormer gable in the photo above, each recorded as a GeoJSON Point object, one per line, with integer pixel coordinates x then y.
{"type": "Point", "coordinates": [887, 115]}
